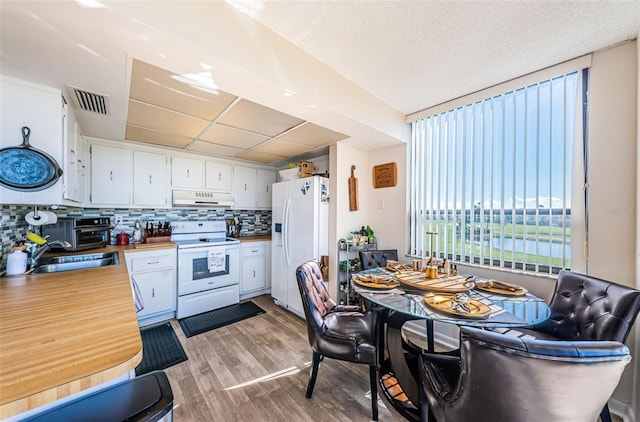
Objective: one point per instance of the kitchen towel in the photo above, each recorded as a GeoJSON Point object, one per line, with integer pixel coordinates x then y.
{"type": "Point", "coordinates": [137, 296]}
{"type": "Point", "coordinates": [217, 259]}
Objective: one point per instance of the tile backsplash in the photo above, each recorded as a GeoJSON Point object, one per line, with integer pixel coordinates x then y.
{"type": "Point", "coordinates": [15, 228]}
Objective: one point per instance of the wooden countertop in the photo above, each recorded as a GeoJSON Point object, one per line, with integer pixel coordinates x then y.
{"type": "Point", "coordinates": [61, 333]}
{"type": "Point", "coordinates": [257, 238]}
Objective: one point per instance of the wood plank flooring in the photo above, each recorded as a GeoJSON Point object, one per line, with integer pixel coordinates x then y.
{"type": "Point", "coordinates": [258, 369]}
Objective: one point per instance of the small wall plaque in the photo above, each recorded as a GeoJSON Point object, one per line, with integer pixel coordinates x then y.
{"type": "Point", "coordinates": [385, 175]}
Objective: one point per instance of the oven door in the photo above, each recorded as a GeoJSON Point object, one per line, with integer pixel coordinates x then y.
{"type": "Point", "coordinates": [194, 275]}
{"type": "Point", "coordinates": [91, 237]}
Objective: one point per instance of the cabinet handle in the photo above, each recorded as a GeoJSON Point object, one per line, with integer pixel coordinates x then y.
{"type": "Point", "coordinates": [254, 250]}
{"type": "Point", "coordinates": [73, 156]}
{"type": "Point", "coordinates": [153, 292]}
{"type": "Point", "coordinates": [187, 172]}
{"type": "Point", "coordinates": [153, 262]}
{"type": "Point", "coordinates": [111, 175]}
{"type": "Point", "coordinates": [84, 170]}
{"type": "Point", "coordinates": [245, 186]}
{"type": "Point", "coordinates": [267, 188]}
{"type": "Point", "coordinates": [254, 273]}
{"type": "Point", "coordinates": [219, 176]}
{"type": "Point", "coordinates": [211, 282]}
{"type": "Point", "coordinates": [150, 181]}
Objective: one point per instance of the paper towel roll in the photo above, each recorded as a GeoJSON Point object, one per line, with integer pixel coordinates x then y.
{"type": "Point", "coordinates": [42, 218]}
{"type": "Point", "coordinates": [36, 219]}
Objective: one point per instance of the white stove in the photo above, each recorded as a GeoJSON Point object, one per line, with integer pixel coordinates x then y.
{"type": "Point", "coordinates": [208, 266]}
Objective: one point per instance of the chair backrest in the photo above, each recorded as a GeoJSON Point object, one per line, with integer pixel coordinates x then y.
{"type": "Point", "coordinates": [377, 258]}
{"type": "Point", "coordinates": [504, 378]}
{"type": "Point", "coordinates": [315, 298]}
{"type": "Point", "coordinates": [589, 308]}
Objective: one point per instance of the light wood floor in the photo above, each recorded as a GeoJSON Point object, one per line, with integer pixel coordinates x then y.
{"type": "Point", "coordinates": [258, 369]}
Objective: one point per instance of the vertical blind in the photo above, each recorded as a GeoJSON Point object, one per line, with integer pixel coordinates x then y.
{"type": "Point", "coordinates": [491, 180]}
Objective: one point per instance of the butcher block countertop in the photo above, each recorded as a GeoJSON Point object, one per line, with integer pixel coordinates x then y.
{"type": "Point", "coordinates": [61, 333]}
{"type": "Point", "coordinates": [256, 238]}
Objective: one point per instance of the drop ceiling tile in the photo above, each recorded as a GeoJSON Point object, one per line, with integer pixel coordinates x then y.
{"type": "Point", "coordinates": [193, 95]}
{"type": "Point", "coordinates": [163, 120]}
{"type": "Point", "coordinates": [215, 149]}
{"type": "Point", "coordinates": [312, 134]}
{"type": "Point", "coordinates": [284, 148]}
{"type": "Point", "coordinates": [140, 134]}
{"type": "Point", "coordinates": [226, 135]}
{"type": "Point", "coordinates": [257, 118]}
{"type": "Point", "coordinates": [259, 157]}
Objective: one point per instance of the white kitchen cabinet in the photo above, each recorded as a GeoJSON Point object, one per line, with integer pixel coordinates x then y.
{"type": "Point", "coordinates": [255, 273]}
{"type": "Point", "coordinates": [110, 175]}
{"type": "Point", "coordinates": [252, 187]}
{"type": "Point", "coordinates": [187, 173]}
{"type": "Point", "coordinates": [155, 274]}
{"type": "Point", "coordinates": [149, 179]}
{"type": "Point", "coordinates": [39, 108]}
{"type": "Point", "coordinates": [75, 159]}
{"type": "Point", "coordinates": [264, 180]}
{"type": "Point", "coordinates": [218, 176]}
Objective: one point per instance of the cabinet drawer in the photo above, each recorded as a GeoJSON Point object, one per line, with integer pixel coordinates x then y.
{"type": "Point", "coordinates": [152, 262]}
{"type": "Point", "coordinates": [254, 250]}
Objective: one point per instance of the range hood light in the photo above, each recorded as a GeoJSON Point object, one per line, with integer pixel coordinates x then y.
{"type": "Point", "coordinates": [190, 198]}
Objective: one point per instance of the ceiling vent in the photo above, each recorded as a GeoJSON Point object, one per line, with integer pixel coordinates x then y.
{"type": "Point", "coordinates": [90, 101]}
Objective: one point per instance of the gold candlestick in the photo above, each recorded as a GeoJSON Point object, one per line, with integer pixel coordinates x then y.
{"type": "Point", "coordinates": [432, 235]}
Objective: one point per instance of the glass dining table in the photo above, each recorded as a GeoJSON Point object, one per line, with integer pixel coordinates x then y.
{"type": "Point", "coordinates": [398, 370]}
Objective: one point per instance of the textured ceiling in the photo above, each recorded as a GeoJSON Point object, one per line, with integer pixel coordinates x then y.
{"type": "Point", "coordinates": [416, 54]}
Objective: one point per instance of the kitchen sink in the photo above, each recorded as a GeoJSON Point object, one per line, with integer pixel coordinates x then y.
{"type": "Point", "coordinates": [54, 264]}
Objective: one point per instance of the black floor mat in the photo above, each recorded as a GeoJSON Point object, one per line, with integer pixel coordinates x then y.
{"type": "Point", "coordinates": [211, 320]}
{"type": "Point", "coordinates": [160, 348]}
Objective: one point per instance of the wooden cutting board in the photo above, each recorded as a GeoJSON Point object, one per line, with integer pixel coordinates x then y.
{"type": "Point", "coordinates": [353, 191]}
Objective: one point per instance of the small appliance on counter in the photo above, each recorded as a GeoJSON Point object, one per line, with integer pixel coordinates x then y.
{"type": "Point", "coordinates": [81, 233]}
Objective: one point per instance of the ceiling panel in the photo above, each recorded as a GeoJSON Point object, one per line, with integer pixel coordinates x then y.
{"type": "Point", "coordinates": [225, 135]}
{"type": "Point", "coordinates": [258, 118]}
{"type": "Point", "coordinates": [314, 135]}
{"type": "Point", "coordinates": [163, 120]}
{"type": "Point", "coordinates": [280, 147]}
{"type": "Point", "coordinates": [214, 149]}
{"type": "Point", "coordinates": [260, 157]}
{"type": "Point", "coordinates": [136, 133]}
{"type": "Point", "coordinates": [152, 85]}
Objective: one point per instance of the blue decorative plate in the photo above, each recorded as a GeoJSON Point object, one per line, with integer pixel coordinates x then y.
{"type": "Point", "coordinates": [25, 169]}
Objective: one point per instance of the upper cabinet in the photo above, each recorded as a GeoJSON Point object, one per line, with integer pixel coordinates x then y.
{"type": "Point", "coordinates": [252, 187]}
{"type": "Point", "coordinates": [218, 176]}
{"type": "Point", "coordinates": [264, 180]}
{"type": "Point", "coordinates": [149, 179]}
{"type": "Point", "coordinates": [40, 109]}
{"type": "Point", "coordinates": [75, 153]}
{"type": "Point", "coordinates": [110, 175]}
{"type": "Point", "coordinates": [187, 173]}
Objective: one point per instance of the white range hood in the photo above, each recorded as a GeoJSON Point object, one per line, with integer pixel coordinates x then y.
{"type": "Point", "coordinates": [192, 198]}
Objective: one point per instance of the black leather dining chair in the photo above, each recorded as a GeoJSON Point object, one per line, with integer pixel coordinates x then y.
{"type": "Point", "coordinates": [337, 331]}
{"type": "Point", "coordinates": [503, 378]}
{"type": "Point", "coordinates": [586, 308]}
{"type": "Point", "coordinates": [377, 258]}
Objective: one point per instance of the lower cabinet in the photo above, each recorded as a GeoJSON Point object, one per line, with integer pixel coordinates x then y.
{"type": "Point", "coordinates": [155, 275]}
{"type": "Point", "coordinates": [255, 273]}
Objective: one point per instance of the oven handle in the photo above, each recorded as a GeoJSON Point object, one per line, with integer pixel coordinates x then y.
{"type": "Point", "coordinates": [285, 231]}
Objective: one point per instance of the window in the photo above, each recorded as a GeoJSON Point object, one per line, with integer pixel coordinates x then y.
{"type": "Point", "coordinates": [491, 181]}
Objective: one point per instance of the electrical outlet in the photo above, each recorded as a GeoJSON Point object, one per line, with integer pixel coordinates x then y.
{"type": "Point", "coordinates": [118, 219]}
{"type": "Point", "coordinates": [257, 218]}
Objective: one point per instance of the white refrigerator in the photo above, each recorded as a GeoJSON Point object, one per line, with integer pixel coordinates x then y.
{"type": "Point", "coordinates": [299, 232]}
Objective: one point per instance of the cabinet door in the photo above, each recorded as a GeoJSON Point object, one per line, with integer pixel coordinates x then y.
{"type": "Point", "coordinates": [187, 173]}
{"type": "Point", "coordinates": [149, 178]}
{"type": "Point", "coordinates": [70, 139]}
{"type": "Point", "coordinates": [218, 176]}
{"type": "Point", "coordinates": [110, 175]}
{"type": "Point", "coordinates": [81, 169]}
{"type": "Point", "coordinates": [253, 274]}
{"type": "Point", "coordinates": [244, 187]}
{"type": "Point", "coordinates": [156, 290]}
{"type": "Point", "coordinates": [264, 180]}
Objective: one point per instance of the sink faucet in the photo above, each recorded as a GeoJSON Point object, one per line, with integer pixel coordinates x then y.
{"type": "Point", "coordinates": [39, 250]}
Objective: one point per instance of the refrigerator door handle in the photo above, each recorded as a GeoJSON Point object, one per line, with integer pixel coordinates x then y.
{"type": "Point", "coordinates": [285, 231]}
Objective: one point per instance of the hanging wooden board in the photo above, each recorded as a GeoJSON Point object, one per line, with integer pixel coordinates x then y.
{"type": "Point", "coordinates": [353, 191]}
{"type": "Point", "coordinates": [385, 175]}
